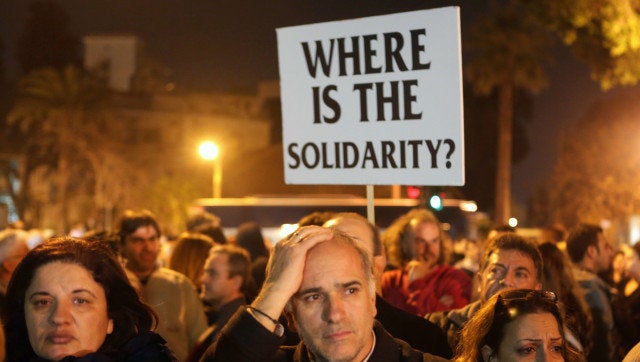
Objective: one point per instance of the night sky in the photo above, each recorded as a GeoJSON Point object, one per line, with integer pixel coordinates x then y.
{"type": "Point", "coordinates": [230, 45]}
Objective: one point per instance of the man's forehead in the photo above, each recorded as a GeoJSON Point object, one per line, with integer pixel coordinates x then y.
{"type": "Point", "coordinates": [144, 230]}
{"type": "Point", "coordinates": [511, 257]}
{"type": "Point", "coordinates": [332, 263]}
{"type": "Point", "coordinates": [216, 258]}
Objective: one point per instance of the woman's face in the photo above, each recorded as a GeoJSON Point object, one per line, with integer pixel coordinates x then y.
{"type": "Point", "coordinates": [531, 337]}
{"type": "Point", "coordinates": [65, 311]}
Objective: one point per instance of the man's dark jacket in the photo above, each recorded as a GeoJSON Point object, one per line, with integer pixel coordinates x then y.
{"type": "Point", "coordinates": [417, 331]}
{"type": "Point", "coordinates": [245, 339]}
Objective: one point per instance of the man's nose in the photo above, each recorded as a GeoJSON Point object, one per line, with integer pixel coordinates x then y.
{"type": "Point", "coordinates": [149, 244]}
{"type": "Point", "coordinates": [509, 280]}
{"type": "Point", "coordinates": [334, 309]}
{"type": "Point", "coordinates": [60, 313]}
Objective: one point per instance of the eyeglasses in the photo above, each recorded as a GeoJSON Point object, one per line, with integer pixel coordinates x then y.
{"type": "Point", "coordinates": [528, 294]}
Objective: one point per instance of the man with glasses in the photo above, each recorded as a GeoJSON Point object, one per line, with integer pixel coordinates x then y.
{"type": "Point", "coordinates": [591, 254]}
{"type": "Point", "coordinates": [509, 262]}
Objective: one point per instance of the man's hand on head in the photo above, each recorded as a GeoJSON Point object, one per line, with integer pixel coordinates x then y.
{"type": "Point", "coordinates": [285, 268]}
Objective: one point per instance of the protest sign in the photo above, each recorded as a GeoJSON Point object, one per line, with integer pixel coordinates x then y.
{"type": "Point", "coordinates": [373, 101]}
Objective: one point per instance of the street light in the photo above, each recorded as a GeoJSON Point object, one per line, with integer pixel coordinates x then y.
{"type": "Point", "coordinates": [210, 152]}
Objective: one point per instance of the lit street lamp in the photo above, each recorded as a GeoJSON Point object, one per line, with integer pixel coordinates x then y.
{"type": "Point", "coordinates": [210, 152]}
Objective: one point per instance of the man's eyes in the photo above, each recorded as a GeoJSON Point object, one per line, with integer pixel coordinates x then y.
{"type": "Point", "coordinates": [318, 296]}
{"type": "Point", "coordinates": [352, 290]}
{"type": "Point", "coordinates": [496, 271]}
{"type": "Point", "coordinates": [141, 240]}
{"type": "Point", "coordinates": [311, 297]}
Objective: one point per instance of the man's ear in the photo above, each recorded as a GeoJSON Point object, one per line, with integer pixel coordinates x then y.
{"type": "Point", "coordinates": [237, 281]}
{"type": "Point", "coordinates": [6, 265]}
{"type": "Point", "coordinates": [379, 262]}
{"type": "Point", "coordinates": [592, 251]}
{"type": "Point", "coordinates": [375, 309]}
{"type": "Point", "coordinates": [487, 353]}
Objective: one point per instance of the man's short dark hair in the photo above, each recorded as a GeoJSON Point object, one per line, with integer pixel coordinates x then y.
{"type": "Point", "coordinates": [239, 262]}
{"type": "Point", "coordinates": [131, 220]}
{"type": "Point", "coordinates": [580, 238]}
{"type": "Point", "coordinates": [513, 241]}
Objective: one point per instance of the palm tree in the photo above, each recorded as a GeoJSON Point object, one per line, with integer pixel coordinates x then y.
{"type": "Point", "coordinates": [59, 111]}
{"type": "Point", "coordinates": [507, 51]}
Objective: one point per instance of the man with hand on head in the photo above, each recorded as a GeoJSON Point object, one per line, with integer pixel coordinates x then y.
{"type": "Point", "coordinates": [417, 331]}
{"type": "Point", "coordinates": [323, 280]}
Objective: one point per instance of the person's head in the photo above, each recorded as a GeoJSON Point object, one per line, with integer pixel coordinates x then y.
{"type": "Point", "coordinates": [189, 254]}
{"type": "Point", "coordinates": [249, 237]}
{"type": "Point", "coordinates": [361, 230]}
{"type": "Point", "coordinates": [515, 325]}
{"type": "Point", "coordinates": [618, 264]}
{"type": "Point", "coordinates": [631, 266]}
{"type": "Point", "coordinates": [334, 310]}
{"type": "Point", "coordinates": [588, 247]}
{"type": "Point", "coordinates": [317, 218]}
{"type": "Point", "coordinates": [416, 235]}
{"type": "Point", "coordinates": [71, 297]}
{"type": "Point", "coordinates": [110, 238]}
{"type": "Point", "coordinates": [509, 262]}
{"type": "Point", "coordinates": [140, 239]}
{"type": "Point", "coordinates": [556, 270]}
{"type": "Point", "coordinates": [13, 247]}
{"type": "Point", "coordinates": [554, 233]}
{"type": "Point", "coordinates": [558, 278]}
{"type": "Point", "coordinates": [208, 224]}
{"type": "Point", "coordinates": [226, 274]}
{"type": "Point", "coordinates": [201, 219]}
{"type": "Point", "coordinates": [498, 230]}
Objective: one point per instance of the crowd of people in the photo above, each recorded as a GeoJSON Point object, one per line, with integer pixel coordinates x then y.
{"type": "Point", "coordinates": [336, 289]}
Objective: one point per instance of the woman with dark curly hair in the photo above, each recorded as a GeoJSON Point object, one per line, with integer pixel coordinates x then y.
{"type": "Point", "coordinates": [70, 299]}
{"type": "Point", "coordinates": [516, 325]}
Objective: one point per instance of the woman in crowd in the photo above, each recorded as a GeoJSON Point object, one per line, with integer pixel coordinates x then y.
{"type": "Point", "coordinates": [626, 304]}
{"type": "Point", "coordinates": [71, 299]}
{"type": "Point", "coordinates": [516, 325]}
{"type": "Point", "coordinates": [189, 254]}
{"type": "Point", "coordinates": [558, 278]}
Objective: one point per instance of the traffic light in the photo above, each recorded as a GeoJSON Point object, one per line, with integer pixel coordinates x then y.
{"type": "Point", "coordinates": [436, 202]}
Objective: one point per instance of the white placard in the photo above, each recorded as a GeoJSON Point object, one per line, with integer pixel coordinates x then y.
{"type": "Point", "coordinates": [373, 101]}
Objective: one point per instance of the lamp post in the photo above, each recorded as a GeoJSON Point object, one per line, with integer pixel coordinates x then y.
{"type": "Point", "coordinates": [210, 152]}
